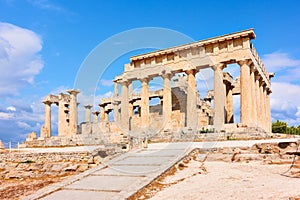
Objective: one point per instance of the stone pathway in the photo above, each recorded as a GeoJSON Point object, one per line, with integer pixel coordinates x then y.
{"type": "Point", "coordinates": [124, 175]}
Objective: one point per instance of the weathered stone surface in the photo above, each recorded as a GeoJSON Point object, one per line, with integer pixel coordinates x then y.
{"type": "Point", "coordinates": [82, 167]}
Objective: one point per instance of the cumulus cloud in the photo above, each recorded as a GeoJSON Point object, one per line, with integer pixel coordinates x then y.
{"type": "Point", "coordinates": [20, 60]}
{"type": "Point", "coordinates": [277, 61]}
{"type": "Point", "coordinates": [11, 108]}
{"type": "Point", "coordinates": [285, 102]}
{"type": "Point", "coordinates": [6, 116]}
{"type": "Point", "coordinates": [106, 83]}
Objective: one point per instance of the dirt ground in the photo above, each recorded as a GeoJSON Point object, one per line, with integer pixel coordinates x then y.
{"type": "Point", "coordinates": [230, 180]}
{"type": "Point", "coordinates": [15, 189]}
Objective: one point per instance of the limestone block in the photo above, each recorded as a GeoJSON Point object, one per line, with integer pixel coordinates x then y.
{"type": "Point", "coordinates": [32, 135]}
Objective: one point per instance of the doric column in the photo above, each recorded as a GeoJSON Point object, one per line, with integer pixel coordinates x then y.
{"type": "Point", "coordinates": [229, 104]}
{"type": "Point", "coordinates": [130, 109]}
{"type": "Point", "coordinates": [116, 111]}
{"type": "Point", "coordinates": [262, 104]}
{"type": "Point", "coordinates": [265, 120]}
{"type": "Point", "coordinates": [253, 96]}
{"type": "Point", "coordinates": [145, 103]}
{"type": "Point", "coordinates": [95, 115]}
{"type": "Point", "coordinates": [116, 89]}
{"type": "Point", "coordinates": [191, 107]}
{"type": "Point", "coordinates": [106, 116]}
{"type": "Point", "coordinates": [257, 97]}
{"type": "Point", "coordinates": [47, 125]}
{"type": "Point", "coordinates": [102, 113]}
{"type": "Point", "coordinates": [167, 100]}
{"type": "Point", "coordinates": [73, 112]}
{"type": "Point", "coordinates": [88, 113]}
{"type": "Point", "coordinates": [63, 111]}
{"type": "Point", "coordinates": [130, 89]}
{"type": "Point", "coordinates": [268, 112]}
{"type": "Point", "coordinates": [245, 98]}
{"type": "Point", "coordinates": [124, 106]}
{"type": "Point", "coordinates": [219, 97]}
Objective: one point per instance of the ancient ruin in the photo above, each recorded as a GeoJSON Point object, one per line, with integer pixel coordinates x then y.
{"type": "Point", "coordinates": [180, 109]}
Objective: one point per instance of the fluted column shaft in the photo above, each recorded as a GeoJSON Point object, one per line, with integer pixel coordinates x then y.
{"type": "Point", "coordinates": [253, 97]}
{"type": "Point", "coordinates": [191, 107]}
{"type": "Point", "coordinates": [268, 112]}
{"type": "Point", "coordinates": [88, 113]}
{"type": "Point", "coordinates": [219, 98]}
{"type": "Point", "coordinates": [73, 112]}
{"type": "Point", "coordinates": [245, 98]}
{"type": "Point", "coordinates": [47, 124]}
{"type": "Point", "coordinates": [262, 104]}
{"type": "Point", "coordinates": [258, 103]}
{"type": "Point", "coordinates": [167, 100]}
{"type": "Point", "coordinates": [102, 113]}
{"type": "Point", "coordinates": [145, 103]}
{"type": "Point", "coordinates": [229, 105]}
{"type": "Point", "coordinates": [95, 115]}
{"type": "Point", "coordinates": [124, 106]}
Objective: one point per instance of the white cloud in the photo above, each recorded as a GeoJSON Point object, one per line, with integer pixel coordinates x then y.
{"type": "Point", "coordinates": [277, 61]}
{"type": "Point", "coordinates": [285, 102]}
{"type": "Point", "coordinates": [106, 83]}
{"type": "Point", "coordinates": [24, 125]}
{"type": "Point", "coordinates": [46, 5]}
{"type": "Point", "coordinates": [19, 58]}
{"type": "Point", "coordinates": [11, 108]}
{"type": "Point", "coordinates": [6, 116]}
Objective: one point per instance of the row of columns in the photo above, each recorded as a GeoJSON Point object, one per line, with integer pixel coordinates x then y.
{"type": "Point", "coordinates": [104, 115]}
{"type": "Point", "coordinates": [191, 121]}
{"type": "Point", "coordinates": [66, 127]}
{"type": "Point", "coordinates": [255, 98]}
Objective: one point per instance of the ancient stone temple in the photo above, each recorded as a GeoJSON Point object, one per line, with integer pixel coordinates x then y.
{"type": "Point", "coordinates": [180, 107]}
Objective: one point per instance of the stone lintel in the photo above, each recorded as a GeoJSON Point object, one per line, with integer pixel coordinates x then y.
{"type": "Point", "coordinates": [241, 34]}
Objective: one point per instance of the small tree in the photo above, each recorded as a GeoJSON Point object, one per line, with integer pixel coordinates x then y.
{"type": "Point", "coordinates": [279, 127]}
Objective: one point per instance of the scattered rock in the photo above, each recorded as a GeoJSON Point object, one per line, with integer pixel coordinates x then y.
{"type": "Point", "coordinates": [83, 167]}
{"type": "Point", "coordinates": [58, 167]}
{"type": "Point", "coordinates": [98, 160]}
{"type": "Point", "coordinates": [90, 160]}
{"type": "Point", "coordinates": [72, 167]}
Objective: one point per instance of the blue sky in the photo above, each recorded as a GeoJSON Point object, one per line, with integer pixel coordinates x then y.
{"type": "Point", "coordinates": [43, 44]}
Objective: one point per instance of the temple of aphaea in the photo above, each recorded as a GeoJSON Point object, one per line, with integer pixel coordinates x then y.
{"type": "Point", "coordinates": [180, 106]}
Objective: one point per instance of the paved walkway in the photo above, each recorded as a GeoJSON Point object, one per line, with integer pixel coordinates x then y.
{"type": "Point", "coordinates": [124, 175]}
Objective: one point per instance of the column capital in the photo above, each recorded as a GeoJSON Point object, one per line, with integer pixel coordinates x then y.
{"type": "Point", "coordinates": [73, 91]}
{"type": "Point", "coordinates": [47, 102]}
{"type": "Point", "coordinates": [88, 106]}
{"type": "Point", "coordinates": [124, 82]}
{"type": "Point", "coordinates": [218, 66]}
{"type": "Point", "coordinates": [95, 112]}
{"type": "Point", "coordinates": [253, 69]}
{"type": "Point", "coordinates": [146, 79]}
{"type": "Point", "coordinates": [101, 105]}
{"type": "Point", "coordinates": [167, 75]}
{"type": "Point", "coordinates": [244, 62]}
{"type": "Point", "coordinates": [191, 71]}
{"type": "Point", "coordinates": [271, 75]}
{"type": "Point", "coordinates": [262, 82]}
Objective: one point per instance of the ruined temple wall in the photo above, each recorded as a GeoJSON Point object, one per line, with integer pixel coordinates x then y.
{"type": "Point", "coordinates": [99, 127]}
